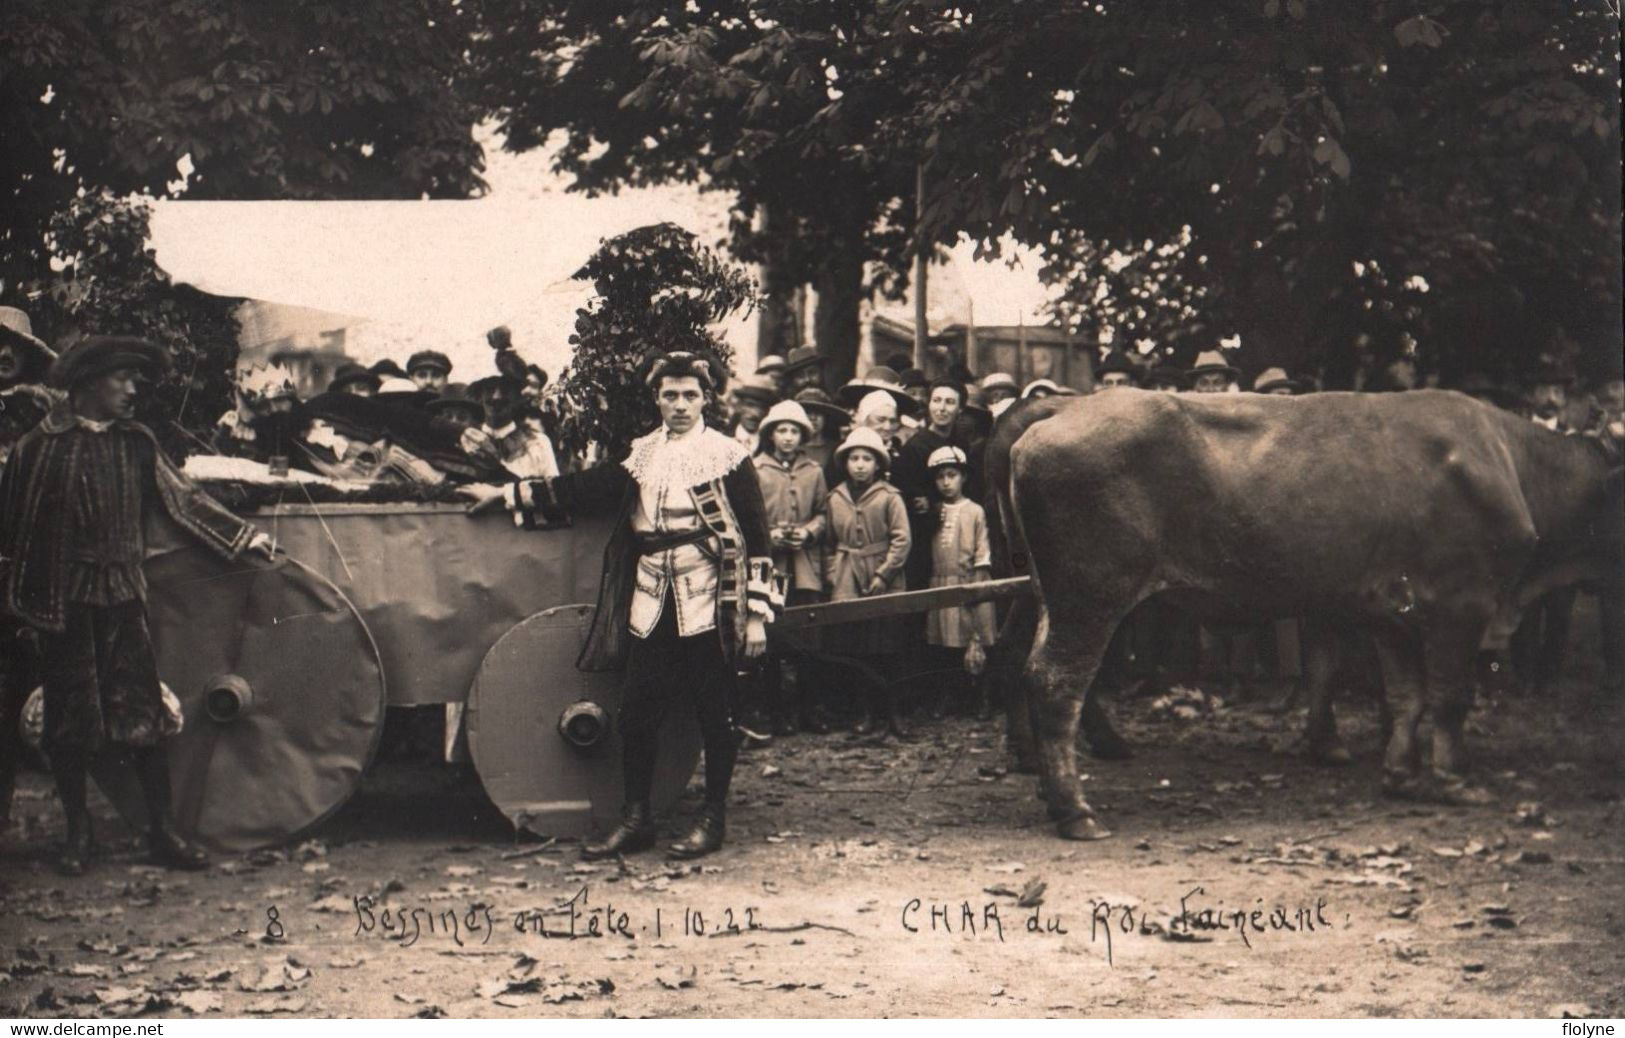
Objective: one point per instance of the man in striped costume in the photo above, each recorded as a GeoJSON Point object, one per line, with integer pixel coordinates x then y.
{"type": "Point", "coordinates": [71, 548]}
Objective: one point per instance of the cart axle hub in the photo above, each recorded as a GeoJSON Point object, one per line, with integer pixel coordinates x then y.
{"type": "Point", "coordinates": [227, 698]}
{"type": "Point", "coordinates": [584, 724]}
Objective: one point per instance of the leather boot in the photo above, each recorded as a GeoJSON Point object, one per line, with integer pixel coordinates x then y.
{"type": "Point", "coordinates": [77, 850]}
{"type": "Point", "coordinates": [167, 847]}
{"type": "Point", "coordinates": [171, 851]}
{"type": "Point", "coordinates": [71, 787]}
{"type": "Point", "coordinates": [706, 836]}
{"type": "Point", "coordinates": [636, 832]}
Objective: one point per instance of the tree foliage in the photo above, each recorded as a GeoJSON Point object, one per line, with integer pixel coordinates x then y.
{"type": "Point", "coordinates": [110, 284]}
{"type": "Point", "coordinates": [657, 289]}
{"type": "Point", "coordinates": [781, 102]}
{"type": "Point", "coordinates": [296, 99]}
{"type": "Point", "coordinates": [1368, 170]}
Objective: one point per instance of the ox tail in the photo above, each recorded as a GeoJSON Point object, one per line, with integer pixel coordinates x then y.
{"type": "Point", "coordinates": [1021, 558]}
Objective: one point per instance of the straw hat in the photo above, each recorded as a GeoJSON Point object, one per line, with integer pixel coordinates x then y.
{"type": "Point", "coordinates": [1038, 384]}
{"type": "Point", "coordinates": [1000, 380]}
{"type": "Point", "coordinates": [16, 328]}
{"type": "Point", "coordinates": [881, 379]}
{"type": "Point", "coordinates": [772, 364]}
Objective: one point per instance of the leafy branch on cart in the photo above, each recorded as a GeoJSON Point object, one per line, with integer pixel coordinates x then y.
{"type": "Point", "coordinates": [657, 288]}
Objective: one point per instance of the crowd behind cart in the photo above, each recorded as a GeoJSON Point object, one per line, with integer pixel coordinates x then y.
{"type": "Point", "coordinates": [872, 487]}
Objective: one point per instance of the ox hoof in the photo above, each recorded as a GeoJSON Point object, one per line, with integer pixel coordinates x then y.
{"type": "Point", "coordinates": [1399, 785]}
{"type": "Point", "coordinates": [1458, 792]}
{"type": "Point", "coordinates": [1110, 747]}
{"type": "Point", "coordinates": [1082, 827]}
{"type": "Point", "coordinates": [1021, 765]}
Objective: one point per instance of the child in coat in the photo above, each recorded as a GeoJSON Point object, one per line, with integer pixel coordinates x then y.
{"type": "Point", "coordinates": [794, 492]}
{"type": "Point", "coordinates": [960, 554]}
{"type": "Point", "coordinates": [869, 542]}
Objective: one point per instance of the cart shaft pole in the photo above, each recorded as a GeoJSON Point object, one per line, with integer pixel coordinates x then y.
{"type": "Point", "coordinates": [901, 602]}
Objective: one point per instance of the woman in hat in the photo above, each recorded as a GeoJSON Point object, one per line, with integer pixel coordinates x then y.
{"type": "Point", "coordinates": [829, 422]}
{"type": "Point", "coordinates": [354, 379]}
{"type": "Point", "coordinates": [913, 478]}
{"type": "Point", "coordinates": [960, 554]}
{"type": "Point", "coordinates": [794, 493]}
{"type": "Point", "coordinates": [869, 544]}
{"type": "Point", "coordinates": [879, 379]}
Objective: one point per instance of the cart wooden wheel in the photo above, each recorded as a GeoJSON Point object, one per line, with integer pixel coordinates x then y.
{"type": "Point", "coordinates": [543, 735]}
{"type": "Point", "coordinates": [282, 693]}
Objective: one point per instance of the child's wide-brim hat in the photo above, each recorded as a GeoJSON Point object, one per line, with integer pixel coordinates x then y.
{"type": "Point", "coordinates": [866, 439]}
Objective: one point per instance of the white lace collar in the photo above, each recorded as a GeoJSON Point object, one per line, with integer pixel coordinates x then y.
{"type": "Point", "coordinates": [683, 461]}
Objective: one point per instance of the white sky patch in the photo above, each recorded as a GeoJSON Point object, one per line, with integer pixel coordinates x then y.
{"type": "Point", "coordinates": [1231, 342]}
{"type": "Point", "coordinates": [49, 95]}
{"type": "Point", "coordinates": [1417, 283]}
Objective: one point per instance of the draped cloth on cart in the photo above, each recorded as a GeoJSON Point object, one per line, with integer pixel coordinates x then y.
{"type": "Point", "coordinates": [435, 586]}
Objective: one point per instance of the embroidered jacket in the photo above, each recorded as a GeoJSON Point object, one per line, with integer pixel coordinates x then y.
{"type": "Point", "coordinates": [718, 580]}
{"type": "Point", "coordinates": [45, 481]}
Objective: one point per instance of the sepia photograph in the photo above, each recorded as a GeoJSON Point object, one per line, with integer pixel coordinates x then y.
{"type": "Point", "coordinates": [811, 509]}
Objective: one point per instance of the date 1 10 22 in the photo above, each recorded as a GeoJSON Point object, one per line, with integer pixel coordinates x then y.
{"type": "Point", "coordinates": [694, 923]}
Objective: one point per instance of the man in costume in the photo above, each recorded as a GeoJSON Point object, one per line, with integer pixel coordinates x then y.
{"type": "Point", "coordinates": [688, 584]}
{"type": "Point", "coordinates": [71, 548]}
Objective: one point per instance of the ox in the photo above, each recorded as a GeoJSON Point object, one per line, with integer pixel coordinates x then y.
{"type": "Point", "coordinates": [1422, 517]}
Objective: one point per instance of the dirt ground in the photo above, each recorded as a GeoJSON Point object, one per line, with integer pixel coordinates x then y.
{"type": "Point", "coordinates": [822, 902]}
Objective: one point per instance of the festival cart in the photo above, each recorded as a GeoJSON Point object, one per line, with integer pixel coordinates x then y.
{"type": "Point", "coordinates": [284, 670]}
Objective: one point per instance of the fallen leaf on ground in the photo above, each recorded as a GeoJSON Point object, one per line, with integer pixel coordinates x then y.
{"type": "Point", "coordinates": [199, 1001]}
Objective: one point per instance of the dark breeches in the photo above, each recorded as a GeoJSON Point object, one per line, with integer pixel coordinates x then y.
{"type": "Point", "coordinates": [660, 670]}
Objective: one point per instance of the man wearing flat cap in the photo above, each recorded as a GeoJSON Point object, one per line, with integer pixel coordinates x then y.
{"type": "Point", "coordinates": [71, 549]}
{"type": "Point", "coordinates": [688, 586]}
{"type": "Point", "coordinates": [429, 370]}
